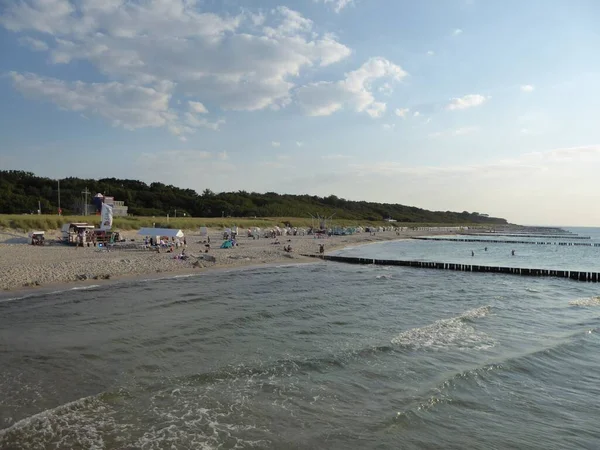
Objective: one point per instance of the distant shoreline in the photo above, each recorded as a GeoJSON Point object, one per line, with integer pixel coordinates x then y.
{"type": "Point", "coordinates": [28, 269]}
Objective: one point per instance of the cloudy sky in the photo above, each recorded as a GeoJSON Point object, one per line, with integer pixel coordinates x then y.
{"type": "Point", "coordinates": [488, 106]}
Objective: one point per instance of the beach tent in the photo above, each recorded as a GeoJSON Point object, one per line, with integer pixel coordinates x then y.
{"type": "Point", "coordinates": [160, 232]}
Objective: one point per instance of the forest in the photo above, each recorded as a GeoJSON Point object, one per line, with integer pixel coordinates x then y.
{"type": "Point", "coordinates": [23, 192]}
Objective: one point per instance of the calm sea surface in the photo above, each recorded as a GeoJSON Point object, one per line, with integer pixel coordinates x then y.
{"type": "Point", "coordinates": [322, 355]}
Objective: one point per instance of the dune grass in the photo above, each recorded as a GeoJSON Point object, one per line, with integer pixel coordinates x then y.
{"type": "Point", "coordinates": [52, 222]}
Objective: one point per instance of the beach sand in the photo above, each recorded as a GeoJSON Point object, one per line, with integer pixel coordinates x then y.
{"type": "Point", "coordinates": [27, 266]}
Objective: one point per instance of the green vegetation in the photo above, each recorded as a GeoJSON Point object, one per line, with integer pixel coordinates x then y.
{"type": "Point", "coordinates": [21, 191]}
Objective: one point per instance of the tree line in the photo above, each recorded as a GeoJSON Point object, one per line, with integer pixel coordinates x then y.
{"type": "Point", "coordinates": [21, 192]}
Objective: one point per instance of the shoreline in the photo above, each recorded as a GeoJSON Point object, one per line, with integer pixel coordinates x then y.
{"type": "Point", "coordinates": [60, 287]}
{"type": "Point", "coordinates": [30, 269]}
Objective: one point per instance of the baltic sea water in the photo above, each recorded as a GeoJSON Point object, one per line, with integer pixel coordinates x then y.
{"type": "Point", "coordinates": [320, 355]}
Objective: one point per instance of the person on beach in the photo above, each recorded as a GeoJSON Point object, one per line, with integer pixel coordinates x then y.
{"type": "Point", "coordinates": [321, 248]}
{"type": "Point", "coordinates": [485, 249]}
{"type": "Point", "coordinates": [512, 253]}
{"type": "Point", "coordinates": [472, 253]}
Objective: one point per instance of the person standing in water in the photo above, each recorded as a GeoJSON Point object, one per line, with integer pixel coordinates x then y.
{"type": "Point", "coordinates": [512, 253]}
{"type": "Point", "coordinates": [472, 253]}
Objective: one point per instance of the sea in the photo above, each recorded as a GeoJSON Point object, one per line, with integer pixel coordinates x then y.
{"type": "Point", "coordinates": [312, 356]}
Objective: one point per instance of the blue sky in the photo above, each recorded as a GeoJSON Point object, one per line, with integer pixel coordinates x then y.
{"type": "Point", "coordinates": [474, 105]}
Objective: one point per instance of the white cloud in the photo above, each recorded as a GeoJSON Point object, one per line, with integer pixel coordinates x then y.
{"type": "Point", "coordinates": [202, 122]}
{"type": "Point", "coordinates": [416, 114]}
{"type": "Point", "coordinates": [244, 62]}
{"type": "Point", "coordinates": [377, 109]}
{"type": "Point", "coordinates": [462, 131]}
{"type": "Point", "coordinates": [197, 107]}
{"type": "Point", "coordinates": [179, 166]}
{"type": "Point", "coordinates": [457, 31]}
{"type": "Point", "coordinates": [276, 144]}
{"type": "Point", "coordinates": [33, 44]}
{"type": "Point", "coordinates": [354, 91]}
{"type": "Point", "coordinates": [182, 138]}
{"type": "Point", "coordinates": [468, 101]}
{"type": "Point", "coordinates": [299, 143]}
{"type": "Point", "coordinates": [527, 88]}
{"type": "Point", "coordinates": [124, 105]}
{"type": "Point", "coordinates": [430, 53]}
{"type": "Point", "coordinates": [274, 165]}
{"type": "Point", "coordinates": [338, 5]}
{"type": "Point", "coordinates": [386, 89]}
{"type": "Point", "coordinates": [402, 112]}
{"type": "Point", "coordinates": [388, 126]}
{"type": "Point", "coordinates": [335, 157]}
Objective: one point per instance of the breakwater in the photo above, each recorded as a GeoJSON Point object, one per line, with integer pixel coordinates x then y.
{"type": "Point", "coordinates": [547, 236]}
{"type": "Point", "coordinates": [571, 274]}
{"type": "Point", "coordinates": [506, 241]}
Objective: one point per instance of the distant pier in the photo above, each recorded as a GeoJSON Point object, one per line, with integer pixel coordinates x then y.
{"type": "Point", "coordinates": [505, 241]}
{"type": "Point", "coordinates": [593, 277]}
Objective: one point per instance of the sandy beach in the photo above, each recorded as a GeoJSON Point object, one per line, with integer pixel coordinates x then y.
{"type": "Point", "coordinates": [27, 266]}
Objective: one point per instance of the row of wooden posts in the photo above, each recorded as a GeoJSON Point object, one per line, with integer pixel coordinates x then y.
{"type": "Point", "coordinates": [548, 236]}
{"type": "Point", "coordinates": [503, 241]}
{"type": "Point", "coordinates": [571, 274]}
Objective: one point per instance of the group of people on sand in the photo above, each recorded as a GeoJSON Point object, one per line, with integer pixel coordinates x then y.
{"type": "Point", "coordinates": [182, 256]}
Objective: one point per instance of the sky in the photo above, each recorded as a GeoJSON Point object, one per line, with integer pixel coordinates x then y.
{"type": "Point", "coordinates": [459, 105]}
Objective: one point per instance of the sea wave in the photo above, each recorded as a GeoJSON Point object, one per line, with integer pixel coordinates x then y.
{"type": "Point", "coordinates": [457, 332]}
{"type": "Point", "coordinates": [470, 388]}
{"type": "Point", "coordinates": [176, 419]}
{"type": "Point", "coordinates": [82, 423]}
{"type": "Point", "coordinates": [591, 301]}
{"type": "Point", "coordinates": [49, 293]}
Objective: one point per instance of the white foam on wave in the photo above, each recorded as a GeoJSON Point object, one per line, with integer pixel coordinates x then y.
{"type": "Point", "coordinates": [187, 275]}
{"type": "Point", "coordinates": [592, 301]}
{"type": "Point", "coordinates": [83, 423]}
{"type": "Point", "coordinates": [185, 417]}
{"type": "Point", "coordinates": [383, 277]}
{"type": "Point", "coordinates": [14, 299]}
{"type": "Point", "coordinates": [456, 332]}
{"type": "Point", "coordinates": [81, 288]}
{"type": "Point", "coordinates": [46, 293]}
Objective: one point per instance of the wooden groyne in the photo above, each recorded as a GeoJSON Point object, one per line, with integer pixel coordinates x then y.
{"type": "Point", "coordinates": [506, 241]}
{"type": "Point", "coordinates": [547, 236]}
{"type": "Point", "coordinates": [593, 277]}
